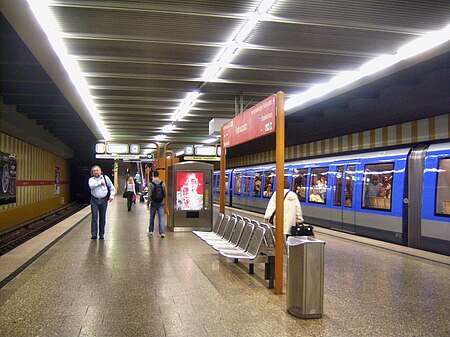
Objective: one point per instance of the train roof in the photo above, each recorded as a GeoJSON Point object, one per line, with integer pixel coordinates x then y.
{"type": "Point", "coordinates": [439, 147]}
{"type": "Point", "coordinates": [346, 158]}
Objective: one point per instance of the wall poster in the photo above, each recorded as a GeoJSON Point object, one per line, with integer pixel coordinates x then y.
{"type": "Point", "coordinates": [57, 180]}
{"type": "Point", "coordinates": [190, 189]}
{"type": "Point", "coordinates": [8, 169]}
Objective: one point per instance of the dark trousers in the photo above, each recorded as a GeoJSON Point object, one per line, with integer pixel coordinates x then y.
{"type": "Point", "coordinates": [129, 200]}
{"type": "Point", "coordinates": [98, 210]}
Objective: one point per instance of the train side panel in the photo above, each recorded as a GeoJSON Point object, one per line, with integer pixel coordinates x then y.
{"type": "Point", "coordinates": [435, 222]}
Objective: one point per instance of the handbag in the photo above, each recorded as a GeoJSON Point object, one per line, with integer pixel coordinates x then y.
{"type": "Point", "coordinates": [133, 198]}
{"type": "Point", "coordinates": [273, 214]}
{"type": "Point", "coordinates": [124, 194]}
{"type": "Point", "coordinates": [302, 230]}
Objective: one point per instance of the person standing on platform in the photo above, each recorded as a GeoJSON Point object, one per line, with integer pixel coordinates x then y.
{"type": "Point", "coordinates": [130, 190]}
{"type": "Point", "coordinates": [292, 209]}
{"type": "Point", "coordinates": [156, 194]}
{"type": "Point", "coordinates": [102, 191]}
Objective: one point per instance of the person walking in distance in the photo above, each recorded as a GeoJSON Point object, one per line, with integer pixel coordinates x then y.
{"type": "Point", "coordinates": [130, 189]}
{"type": "Point", "coordinates": [157, 193]}
{"type": "Point", "coordinates": [102, 191]}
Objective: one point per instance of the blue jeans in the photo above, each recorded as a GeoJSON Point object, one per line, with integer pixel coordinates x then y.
{"type": "Point", "coordinates": [98, 210]}
{"type": "Point", "coordinates": [160, 208]}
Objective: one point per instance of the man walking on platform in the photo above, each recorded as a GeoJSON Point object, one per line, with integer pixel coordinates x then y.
{"type": "Point", "coordinates": [102, 191]}
{"type": "Point", "coordinates": [156, 195]}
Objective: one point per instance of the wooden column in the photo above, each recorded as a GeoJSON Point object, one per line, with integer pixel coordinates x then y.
{"type": "Point", "coordinates": [222, 174]}
{"type": "Point", "coordinates": [279, 236]}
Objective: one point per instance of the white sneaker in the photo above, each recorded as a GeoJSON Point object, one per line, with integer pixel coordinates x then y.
{"type": "Point", "coordinates": [150, 233]}
{"type": "Point", "coordinates": [162, 235]}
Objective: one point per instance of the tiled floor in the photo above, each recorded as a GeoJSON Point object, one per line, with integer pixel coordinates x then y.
{"type": "Point", "coordinates": [134, 285]}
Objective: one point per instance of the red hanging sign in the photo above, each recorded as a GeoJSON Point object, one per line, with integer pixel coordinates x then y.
{"type": "Point", "coordinates": [253, 123]}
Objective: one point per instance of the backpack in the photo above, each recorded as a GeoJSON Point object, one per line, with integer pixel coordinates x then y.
{"type": "Point", "coordinates": [107, 182]}
{"type": "Point", "coordinates": [158, 194]}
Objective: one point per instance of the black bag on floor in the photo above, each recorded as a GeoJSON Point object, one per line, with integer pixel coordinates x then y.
{"type": "Point", "coordinates": [302, 230]}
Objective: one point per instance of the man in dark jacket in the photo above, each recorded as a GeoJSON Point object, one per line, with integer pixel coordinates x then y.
{"type": "Point", "coordinates": [155, 203]}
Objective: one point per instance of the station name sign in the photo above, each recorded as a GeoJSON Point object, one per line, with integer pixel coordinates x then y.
{"type": "Point", "coordinates": [253, 123]}
{"type": "Point", "coordinates": [202, 158]}
{"type": "Point", "coordinates": [118, 156]}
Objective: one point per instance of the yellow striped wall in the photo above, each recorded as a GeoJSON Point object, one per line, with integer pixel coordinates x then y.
{"type": "Point", "coordinates": [428, 129]}
{"type": "Point", "coordinates": [33, 164]}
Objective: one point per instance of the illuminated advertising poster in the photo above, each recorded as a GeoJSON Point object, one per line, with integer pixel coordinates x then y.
{"type": "Point", "coordinates": [190, 191]}
{"type": "Point", "coordinates": [8, 165]}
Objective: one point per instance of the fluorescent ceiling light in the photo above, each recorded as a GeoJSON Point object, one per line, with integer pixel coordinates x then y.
{"type": "Point", "coordinates": [168, 128]}
{"type": "Point", "coordinates": [265, 6]}
{"type": "Point", "coordinates": [245, 31]}
{"type": "Point", "coordinates": [179, 153]}
{"type": "Point", "coordinates": [185, 106]}
{"type": "Point", "coordinates": [227, 53]}
{"type": "Point", "coordinates": [411, 49]}
{"type": "Point", "coordinates": [43, 14]}
{"type": "Point", "coordinates": [210, 140]}
{"type": "Point", "coordinates": [160, 137]}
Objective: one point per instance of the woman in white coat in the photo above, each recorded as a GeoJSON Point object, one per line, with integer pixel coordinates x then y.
{"type": "Point", "coordinates": [292, 209]}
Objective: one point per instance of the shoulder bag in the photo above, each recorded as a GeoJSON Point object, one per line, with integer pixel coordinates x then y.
{"type": "Point", "coordinates": [273, 214]}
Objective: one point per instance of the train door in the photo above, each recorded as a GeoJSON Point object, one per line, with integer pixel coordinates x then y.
{"type": "Point", "coordinates": [343, 206]}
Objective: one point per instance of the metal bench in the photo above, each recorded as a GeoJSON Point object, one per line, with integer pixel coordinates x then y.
{"type": "Point", "coordinates": [215, 227]}
{"type": "Point", "coordinates": [234, 240]}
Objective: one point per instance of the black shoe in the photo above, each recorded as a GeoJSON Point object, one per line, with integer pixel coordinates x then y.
{"type": "Point", "coordinates": [102, 237]}
{"type": "Point", "coordinates": [93, 238]}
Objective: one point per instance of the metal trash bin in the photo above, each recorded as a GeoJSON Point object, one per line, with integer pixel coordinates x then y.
{"type": "Point", "coordinates": [305, 275]}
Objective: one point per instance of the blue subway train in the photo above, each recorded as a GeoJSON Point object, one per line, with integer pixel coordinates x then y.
{"type": "Point", "coordinates": [400, 196]}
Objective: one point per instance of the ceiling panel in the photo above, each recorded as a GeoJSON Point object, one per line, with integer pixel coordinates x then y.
{"type": "Point", "coordinates": [141, 58]}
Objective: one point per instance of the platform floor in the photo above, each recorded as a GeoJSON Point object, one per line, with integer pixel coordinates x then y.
{"type": "Point", "coordinates": [134, 285]}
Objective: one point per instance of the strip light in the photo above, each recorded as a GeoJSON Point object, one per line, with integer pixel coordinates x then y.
{"type": "Point", "coordinates": [160, 137]}
{"type": "Point", "coordinates": [414, 48]}
{"type": "Point", "coordinates": [185, 106]}
{"type": "Point", "coordinates": [210, 140]}
{"type": "Point", "coordinates": [225, 56]}
{"type": "Point", "coordinates": [167, 128]}
{"type": "Point", "coordinates": [43, 14]}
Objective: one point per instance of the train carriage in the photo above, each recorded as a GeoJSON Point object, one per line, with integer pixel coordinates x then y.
{"type": "Point", "coordinates": [400, 196]}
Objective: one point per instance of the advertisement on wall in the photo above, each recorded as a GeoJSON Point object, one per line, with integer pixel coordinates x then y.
{"type": "Point", "coordinates": [8, 167]}
{"type": "Point", "coordinates": [190, 189]}
{"type": "Point", "coordinates": [57, 180]}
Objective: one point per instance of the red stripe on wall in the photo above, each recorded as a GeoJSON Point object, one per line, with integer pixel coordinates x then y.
{"type": "Point", "coordinates": [38, 182]}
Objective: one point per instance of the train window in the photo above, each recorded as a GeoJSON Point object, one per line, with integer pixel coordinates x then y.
{"type": "Point", "coordinates": [237, 183]}
{"type": "Point", "coordinates": [318, 185]}
{"type": "Point", "coordinates": [338, 191]}
{"type": "Point", "coordinates": [268, 184]}
{"type": "Point", "coordinates": [257, 181]}
{"type": "Point", "coordinates": [217, 183]}
{"type": "Point", "coordinates": [349, 183]}
{"type": "Point", "coordinates": [377, 189]}
{"type": "Point", "coordinates": [246, 184]}
{"type": "Point", "coordinates": [226, 183]}
{"type": "Point", "coordinates": [299, 187]}
{"type": "Point", "coordinates": [442, 188]}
